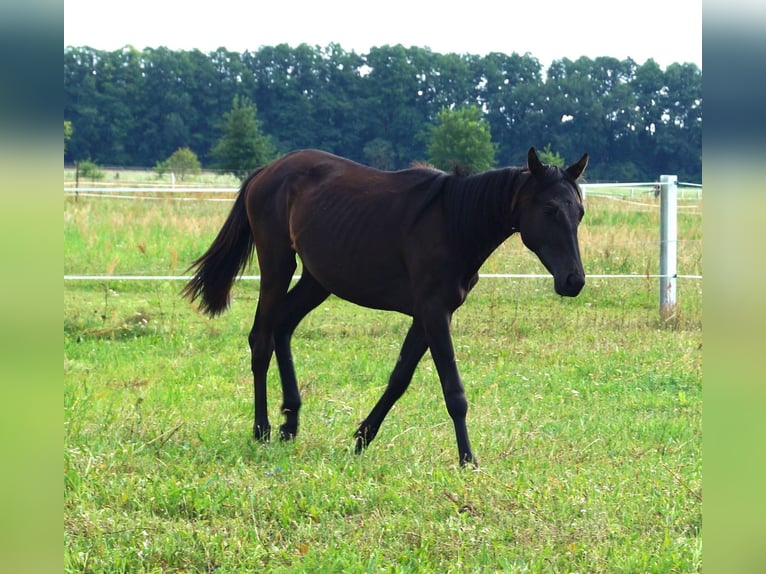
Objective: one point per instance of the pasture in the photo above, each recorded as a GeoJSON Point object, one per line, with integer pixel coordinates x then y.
{"type": "Point", "coordinates": [585, 415]}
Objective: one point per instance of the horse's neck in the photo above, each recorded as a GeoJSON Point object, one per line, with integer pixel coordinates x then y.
{"type": "Point", "coordinates": [478, 213]}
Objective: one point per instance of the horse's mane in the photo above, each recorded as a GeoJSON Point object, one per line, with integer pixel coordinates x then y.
{"type": "Point", "coordinates": [423, 165]}
{"type": "Point", "coordinates": [479, 206]}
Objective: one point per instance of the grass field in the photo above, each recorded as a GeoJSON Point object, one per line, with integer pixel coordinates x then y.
{"type": "Point", "coordinates": [585, 415]}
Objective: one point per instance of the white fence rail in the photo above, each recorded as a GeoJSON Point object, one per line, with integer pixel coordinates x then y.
{"type": "Point", "coordinates": [296, 277]}
{"type": "Point", "coordinates": [635, 190]}
{"type": "Point", "coordinates": [668, 190]}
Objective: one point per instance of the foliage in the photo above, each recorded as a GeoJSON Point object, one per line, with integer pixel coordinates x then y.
{"type": "Point", "coordinates": [89, 170]}
{"type": "Point", "coordinates": [550, 157]}
{"type": "Point", "coordinates": [242, 146]}
{"type": "Point", "coordinates": [461, 139]}
{"type": "Point", "coordinates": [586, 416]}
{"type": "Point", "coordinates": [134, 108]}
{"type": "Point", "coordinates": [67, 132]}
{"type": "Point", "coordinates": [379, 153]}
{"type": "Point", "coordinates": [183, 162]}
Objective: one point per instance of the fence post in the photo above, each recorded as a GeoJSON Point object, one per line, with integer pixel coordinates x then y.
{"type": "Point", "coordinates": [668, 244]}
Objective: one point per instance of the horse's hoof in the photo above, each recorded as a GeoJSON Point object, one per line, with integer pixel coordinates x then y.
{"type": "Point", "coordinates": [469, 459]}
{"type": "Point", "coordinates": [364, 436]}
{"type": "Point", "coordinates": [262, 433]}
{"type": "Point", "coordinates": [287, 433]}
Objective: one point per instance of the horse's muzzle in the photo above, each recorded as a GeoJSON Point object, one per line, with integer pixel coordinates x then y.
{"type": "Point", "coordinates": [571, 285]}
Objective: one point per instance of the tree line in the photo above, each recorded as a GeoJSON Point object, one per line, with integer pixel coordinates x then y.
{"type": "Point", "coordinates": [136, 108]}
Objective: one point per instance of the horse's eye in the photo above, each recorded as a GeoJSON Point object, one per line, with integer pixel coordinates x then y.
{"type": "Point", "coordinates": [550, 209]}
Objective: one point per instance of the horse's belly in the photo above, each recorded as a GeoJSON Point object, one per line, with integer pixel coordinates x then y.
{"type": "Point", "coordinates": [367, 279]}
{"type": "Point", "coordinates": [353, 248]}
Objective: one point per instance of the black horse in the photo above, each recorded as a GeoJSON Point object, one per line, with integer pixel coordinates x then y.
{"type": "Point", "coordinates": [410, 241]}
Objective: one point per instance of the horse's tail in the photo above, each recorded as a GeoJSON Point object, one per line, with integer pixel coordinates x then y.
{"type": "Point", "coordinates": [226, 258]}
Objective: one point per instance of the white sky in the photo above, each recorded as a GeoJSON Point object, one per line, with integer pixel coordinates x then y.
{"type": "Point", "coordinates": [666, 30]}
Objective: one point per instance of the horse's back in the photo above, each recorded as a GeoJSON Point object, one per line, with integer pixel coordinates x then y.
{"type": "Point", "coordinates": [348, 222]}
{"type": "Point", "coordinates": [331, 191]}
{"type": "Point", "coordinates": [326, 172]}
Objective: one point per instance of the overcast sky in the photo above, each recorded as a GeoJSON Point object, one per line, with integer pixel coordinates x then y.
{"type": "Point", "coordinates": [666, 30]}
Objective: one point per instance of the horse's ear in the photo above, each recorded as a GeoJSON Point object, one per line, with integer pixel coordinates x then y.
{"type": "Point", "coordinates": [533, 162]}
{"type": "Point", "coordinates": [575, 170]}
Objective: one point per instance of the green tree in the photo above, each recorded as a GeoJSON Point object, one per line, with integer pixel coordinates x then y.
{"type": "Point", "coordinates": [135, 107]}
{"type": "Point", "coordinates": [462, 139]}
{"type": "Point", "coordinates": [67, 133]}
{"type": "Point", "coordinates": [89, 170]}
{"type": "Point", "coordinates": [678, 132]}
{"type": "Point", "coordinates": [379, 153]}
{"type": "Point", "coordinates": [243, 146]}
{"type": "Point", "coordinates": [509, 90]}
{"type": "Point", "coordinates": [395, 99]}
{"type": "Point", "coordinates": [182, 162]}
{"type": "Point", "coordinates": [550, 157]}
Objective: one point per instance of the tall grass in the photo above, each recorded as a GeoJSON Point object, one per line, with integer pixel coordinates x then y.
{"type": "Point", "coordinates": [585, 415]}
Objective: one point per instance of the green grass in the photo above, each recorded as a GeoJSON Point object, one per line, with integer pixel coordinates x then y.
{"type": "Point", "coordinates": [585, 415]}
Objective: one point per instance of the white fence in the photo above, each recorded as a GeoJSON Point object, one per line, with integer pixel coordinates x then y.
{"type": "Point", "coordinates": [630, 192]}
{"type": "Point", "coordinates": [667, 190]}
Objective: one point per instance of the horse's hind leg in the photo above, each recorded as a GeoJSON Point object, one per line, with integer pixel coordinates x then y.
{"type": "Point", "coordinates": [413, 348]}
{"type": "Point", "coordinates": [276, 274]}
{"type": "Point", "coordinates": [300, 300]}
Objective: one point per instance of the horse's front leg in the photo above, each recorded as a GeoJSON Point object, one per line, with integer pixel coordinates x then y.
{"type": "Point", "coordinates": [437, 328]}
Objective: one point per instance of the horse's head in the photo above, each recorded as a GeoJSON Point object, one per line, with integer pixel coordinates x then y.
{"type": "Point", "coordinates": [548, 219]}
